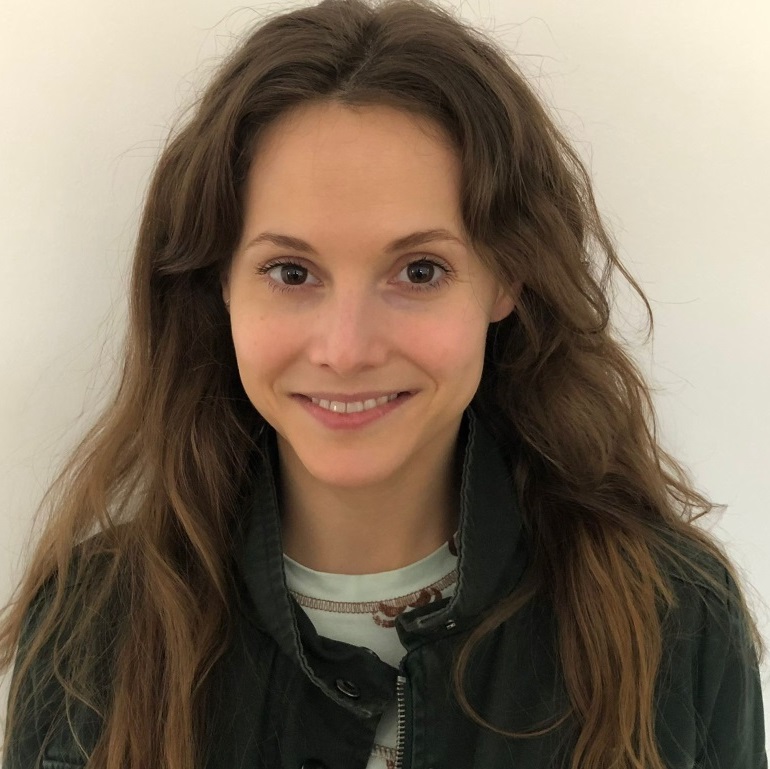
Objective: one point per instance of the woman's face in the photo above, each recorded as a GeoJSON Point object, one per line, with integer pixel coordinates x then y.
{"type": "Point", "coordinates": [349, 318]}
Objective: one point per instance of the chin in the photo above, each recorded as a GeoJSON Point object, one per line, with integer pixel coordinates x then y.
{"type": "Point", "coordinates": [349, 475]}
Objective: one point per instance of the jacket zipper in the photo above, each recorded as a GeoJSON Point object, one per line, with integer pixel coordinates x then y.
{"type": "Point", "coordinates": [401, 730]}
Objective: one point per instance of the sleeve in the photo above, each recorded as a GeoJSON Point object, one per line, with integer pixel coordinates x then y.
{"type": "Point", "coordinates": [730, 697]}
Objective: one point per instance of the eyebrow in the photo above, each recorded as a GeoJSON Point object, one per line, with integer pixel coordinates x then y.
{"type": "Point", "coordinates": [399, 244]}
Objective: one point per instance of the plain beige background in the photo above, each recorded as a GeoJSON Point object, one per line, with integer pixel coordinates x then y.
{"type": "Point", "coordinates": [667, 101]}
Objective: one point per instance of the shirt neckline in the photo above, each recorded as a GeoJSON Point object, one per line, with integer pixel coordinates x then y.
{"type": "Point", "coordinates": [370, 587]}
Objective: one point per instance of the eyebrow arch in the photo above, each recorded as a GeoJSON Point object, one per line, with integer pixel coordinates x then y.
{"type": "Point", "coordinates": [399, 244]}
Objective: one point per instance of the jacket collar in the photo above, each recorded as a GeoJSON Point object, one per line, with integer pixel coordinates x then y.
{"type": "Point", "coordinates": [492, 553]}
{"type": "Point", "coordinates": [492, 556]}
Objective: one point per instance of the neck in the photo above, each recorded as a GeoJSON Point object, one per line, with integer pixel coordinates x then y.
{"type": "Point", "coordinates": [366, 530]}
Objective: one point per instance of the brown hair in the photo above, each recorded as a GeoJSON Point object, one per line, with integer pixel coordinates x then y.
{"type": "Point", "coordinates": [161, 474]}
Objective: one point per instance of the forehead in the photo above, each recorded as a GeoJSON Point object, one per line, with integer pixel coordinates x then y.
{"type": "Point", "coordinates": [333, 169]}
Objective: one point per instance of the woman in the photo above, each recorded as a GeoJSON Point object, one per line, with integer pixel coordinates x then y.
{"type": "Point", "coordinates": [378, 487]}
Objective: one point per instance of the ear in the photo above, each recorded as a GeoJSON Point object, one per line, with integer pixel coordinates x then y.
{"type": "Point", "coordinates": [505, 302]}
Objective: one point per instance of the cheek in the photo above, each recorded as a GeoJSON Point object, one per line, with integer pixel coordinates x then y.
{"type": "Point", "coordinates": [452, 349]}
{"type": "Point", "coordinates": [262, 343]}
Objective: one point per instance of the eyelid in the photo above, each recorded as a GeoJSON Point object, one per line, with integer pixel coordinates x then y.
{"type": "Point", "coordinates": [437, 260]}
{"type": "Point", "coordinates": [407, 258]}
{"type": "Point", "coordinates": [279, 261]}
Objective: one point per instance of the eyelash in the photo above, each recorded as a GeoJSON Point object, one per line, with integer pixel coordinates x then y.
{"type": "Point", "coordinates": [416, 287]}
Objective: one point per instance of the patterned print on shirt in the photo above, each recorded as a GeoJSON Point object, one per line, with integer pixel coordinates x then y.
{"type": "Point", "coordinates": [383, 613]}
{"type": "Point", "coordinates": [389, 754]}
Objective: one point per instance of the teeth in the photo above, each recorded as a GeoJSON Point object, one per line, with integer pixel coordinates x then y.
{"type": "Point", "coordinates": [349, 408]}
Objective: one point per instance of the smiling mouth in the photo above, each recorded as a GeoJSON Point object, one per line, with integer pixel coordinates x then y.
{"type": "Point", "coordinates": [354, 407]}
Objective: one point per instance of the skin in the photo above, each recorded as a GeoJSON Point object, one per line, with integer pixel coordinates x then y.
{"type": "Point", "coordinates": [353, 319]}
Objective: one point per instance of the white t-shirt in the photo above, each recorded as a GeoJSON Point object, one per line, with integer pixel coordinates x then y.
{"type": "Point", "coordinates": [360, 609]}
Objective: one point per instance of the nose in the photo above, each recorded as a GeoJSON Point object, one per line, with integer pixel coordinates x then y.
{"type": "Point", "coordinates": [350, 332]}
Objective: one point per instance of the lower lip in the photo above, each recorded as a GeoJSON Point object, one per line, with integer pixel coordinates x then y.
{"type": "Point", "coordinates": [336, 421]}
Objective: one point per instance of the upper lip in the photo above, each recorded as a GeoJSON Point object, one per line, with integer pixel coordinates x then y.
{"type": "Point", "coordinates": [350, 397]}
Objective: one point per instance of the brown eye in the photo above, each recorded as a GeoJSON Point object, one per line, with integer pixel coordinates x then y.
{"type": "Point", "coordinates": [425, 275]}
{"type": "Point", "coordinates": [285, 275]}
{"type": "Point", "coordinates": [420, 272]}
{"type": "Point", "coordinates": [293, 274]}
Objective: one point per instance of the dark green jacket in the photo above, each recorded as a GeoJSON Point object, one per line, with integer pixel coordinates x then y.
{"type": "Point", "coordinates": [285, 698]}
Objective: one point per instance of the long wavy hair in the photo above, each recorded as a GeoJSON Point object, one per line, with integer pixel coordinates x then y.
{"type": "Point", "coordinates": [161, 476]}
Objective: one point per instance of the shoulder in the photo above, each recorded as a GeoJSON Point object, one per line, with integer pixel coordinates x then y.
{"type": "Point", "coordinates": [691, 565]}
{"type": "Point", "coordinates": [81, 607]}
{"type": "Point", "coordinates": [88, 562]}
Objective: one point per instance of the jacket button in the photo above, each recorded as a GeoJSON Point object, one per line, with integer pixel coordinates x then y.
{"type": "Point", "coordinates": [313, 763]}
{"type": "Point", "coordinates": [348, 688]}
